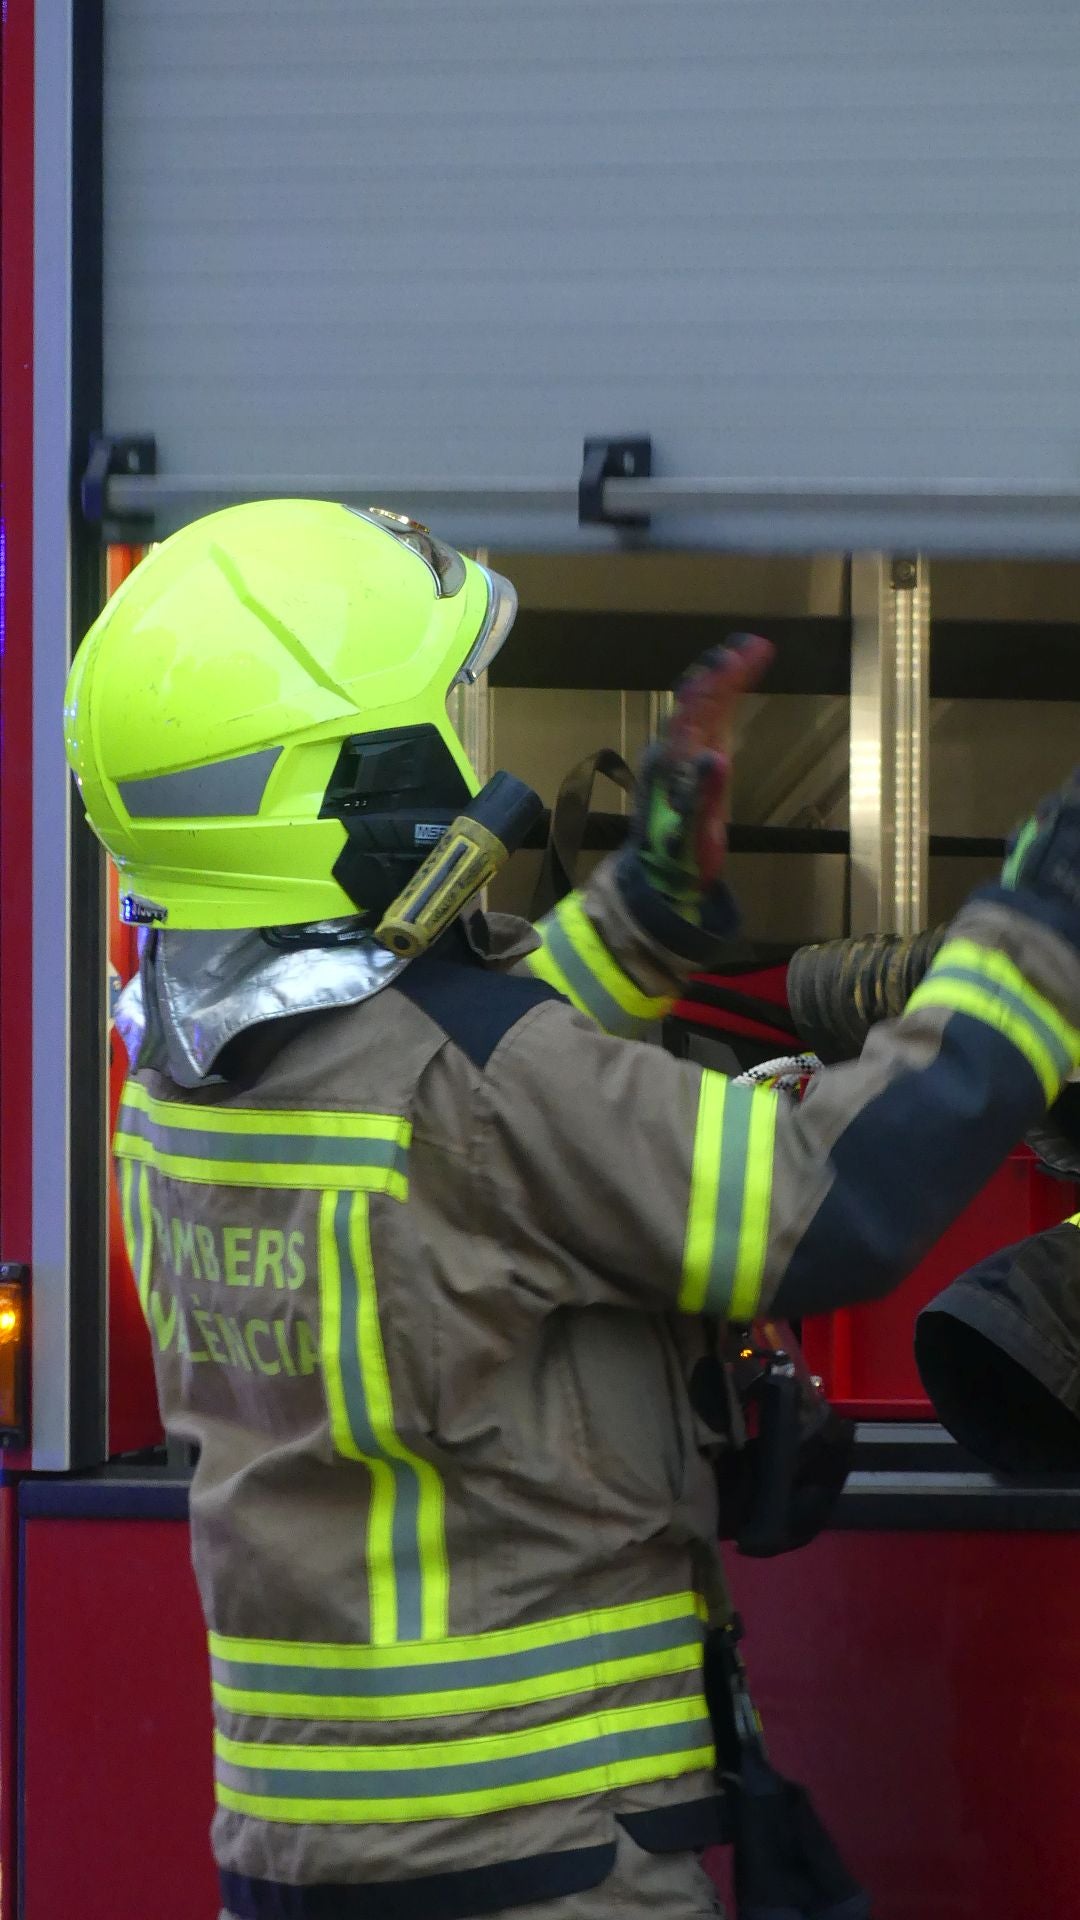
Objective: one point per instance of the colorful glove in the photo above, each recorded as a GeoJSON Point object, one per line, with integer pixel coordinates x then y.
{"type": "Point", "coordinates": [678, 833]}
{"type": "Point", "coordinates": [1044, 857]}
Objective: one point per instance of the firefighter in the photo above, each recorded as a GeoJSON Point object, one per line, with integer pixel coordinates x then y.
{"type": "Point", "coordinates": [428, 1249]}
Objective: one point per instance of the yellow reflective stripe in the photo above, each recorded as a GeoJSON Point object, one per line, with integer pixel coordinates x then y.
{"type": "Point", "coordinates": [704, 1189]}
{"type": "Point", "coordinates": [756, 1206]}
{"type": "Point", "coordinates": [145, 1239]}
{"type": "Point", "coordinates": [1005, 973]}
{"type": "Point", "coordinates": [424, 1779]}
{"type": "Point", "coordinates": [727, 1221]}
{"type": "Point", "coordinates": [306, 1122]}
{"type": "Point", "coordinates": [137, 1224]}
{"type": "Point", "coordinates": [571, 1786]}
{"type": "Point", "coordinates": [471, 1646]}
{"type": "Point", "coordinates": [382, 1571]}
{"type": "Point", "coordinates": [473, 1749]}
{"type": "Point", "coordinates": [543, 966]}
{"type": "Point", "coordinates": [295, 1176]}
{"type": "Point", "coordinates": [126, 1172]}
{"type": "Point", "coordinates": [250, 1147]}
{"type": "Point", "coordinates": [989, 987]}
{"type": "Point", "coordinates": [575, 960]}
{"type": "Point", "coordinates": [247, 1173]}
{"type": "Point", "coordinates": [133, 1220]}
{"type": "Point", "coordinates": [1073, 1220]}
{"type": "Point", "coordinates": [983, 1005]}
{"type": "Point", "coordinates": [587, 943]}
{"type": "Point", "coordinates": [429, 1530]}
{"type": "Point", "coordinates": [469, 1699]}
{"type": "Point", "coordinates": [378, 1556]}
{"type": "Point", "coordinates": [405, 1550]}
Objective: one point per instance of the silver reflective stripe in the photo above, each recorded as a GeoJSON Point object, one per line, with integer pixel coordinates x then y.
{"type": "Point", "coordinates": [232, 788]}
{"type": "Point", "coordinates": [449, 1773]}
{"type": "Point", "coordinates": [263, 1149]}
{"type": "Point", "coordinates": [569, 1656]}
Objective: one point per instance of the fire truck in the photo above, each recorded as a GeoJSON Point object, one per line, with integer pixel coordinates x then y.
{"type": "Point", "coordinates": [709, 315]}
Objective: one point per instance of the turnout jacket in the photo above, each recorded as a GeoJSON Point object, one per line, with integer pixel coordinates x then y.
{"type": "Point", "coordinates": [425, 1279]}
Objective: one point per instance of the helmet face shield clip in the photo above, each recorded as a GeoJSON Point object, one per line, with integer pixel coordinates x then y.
{"type": "Point", "coordinates": [445, 564]}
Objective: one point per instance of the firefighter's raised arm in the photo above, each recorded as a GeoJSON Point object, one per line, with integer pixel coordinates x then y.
{"type": "Point", "coordinates": [621, 948]}
{"type": "Point", "coordinates": [639, 1179]}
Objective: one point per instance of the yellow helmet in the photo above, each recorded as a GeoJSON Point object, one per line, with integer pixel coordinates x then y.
{"type": "Point", "coordinates": [266, 694]}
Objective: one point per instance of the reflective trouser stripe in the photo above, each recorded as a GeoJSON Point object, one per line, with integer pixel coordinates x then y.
{"type": "Point", "coordinates": [405, 1551]}
{"type": "Point", "coordinates": [988, 986]}
{"type": "Point", "coordinates": [727, 1225]}
{"type": "Point", "coordinates": [588, 1753]}
{"type": "Point", "coordinates": [138, 1232]}
{"type": "Point", "coordinates": [610, 1648]}
{"type": "Point", "coordinates": [254, 1147]}
{"type": "Point", "coordinates": [575, 961]}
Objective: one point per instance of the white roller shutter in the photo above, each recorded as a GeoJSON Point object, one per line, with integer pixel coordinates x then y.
{"type": "Point", "coordinates": [826, 254]}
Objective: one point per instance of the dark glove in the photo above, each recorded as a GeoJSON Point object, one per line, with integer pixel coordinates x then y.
{"type": "Point", "coordinates": [678, 838]}
{"type": "Point", "coordinates": [1044, 858]}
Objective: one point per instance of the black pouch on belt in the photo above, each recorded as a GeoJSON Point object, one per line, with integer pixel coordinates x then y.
{"type": "Point", "coordinates": [787, 1455]}
{"type": "Point", "coordinates": [787, 1866]}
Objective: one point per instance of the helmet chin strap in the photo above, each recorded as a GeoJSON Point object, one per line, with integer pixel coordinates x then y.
{"type": "Point", "coordinates": [316, 933]}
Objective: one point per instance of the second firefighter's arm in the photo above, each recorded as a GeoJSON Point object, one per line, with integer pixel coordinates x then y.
{"type": "Point", "coordinates": [627, 1177]}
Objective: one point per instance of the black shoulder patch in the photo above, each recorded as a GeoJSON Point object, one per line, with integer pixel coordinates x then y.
{"type": "Point", "coordinates": [474, 1007]}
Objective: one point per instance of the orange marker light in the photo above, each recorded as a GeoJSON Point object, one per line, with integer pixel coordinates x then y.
{"type": "Point", "coordinates": [13, 1324]}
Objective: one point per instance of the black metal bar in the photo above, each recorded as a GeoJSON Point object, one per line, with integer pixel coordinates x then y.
{"type": "Point", "coordinates": [937, 1497]}
{"type": "Point", "coordinates": [549, 648]}
{"type": "Point", "coordinates": [969, 660]}
{"type": "Point", "coordinates": [153, 1493]}
{"type": "Point", "coordinates": [1004, 660]}
{"type": "Point", "coordinates": [946, 1502]}
{"type": "Point", "coordinates": [607, 830]}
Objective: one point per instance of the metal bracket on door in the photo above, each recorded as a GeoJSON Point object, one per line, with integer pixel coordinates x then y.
{"type": "Point", "coordinates": [133, 455]}
{"type": "Point", "coordinates": [608, 459]}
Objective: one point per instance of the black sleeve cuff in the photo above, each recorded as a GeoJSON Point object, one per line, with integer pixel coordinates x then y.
{"type": "Point", "coordinates": [1053, 913]}
{"type": "Point", "coordinates": [700, 946]}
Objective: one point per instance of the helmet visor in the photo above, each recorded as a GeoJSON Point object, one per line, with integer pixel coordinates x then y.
{"type": "Point", "coordinates": [501, 613]}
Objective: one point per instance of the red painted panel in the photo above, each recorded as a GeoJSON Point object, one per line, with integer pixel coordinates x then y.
{"type": "Point", "coordinates": [9, 1596]}
{"type": "Point", "coordinates": [117, 1787]}
{"type": "Point", "coordinates": [926, 1688]}
{"type": "Point", "coordinates": [866, 1356]}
